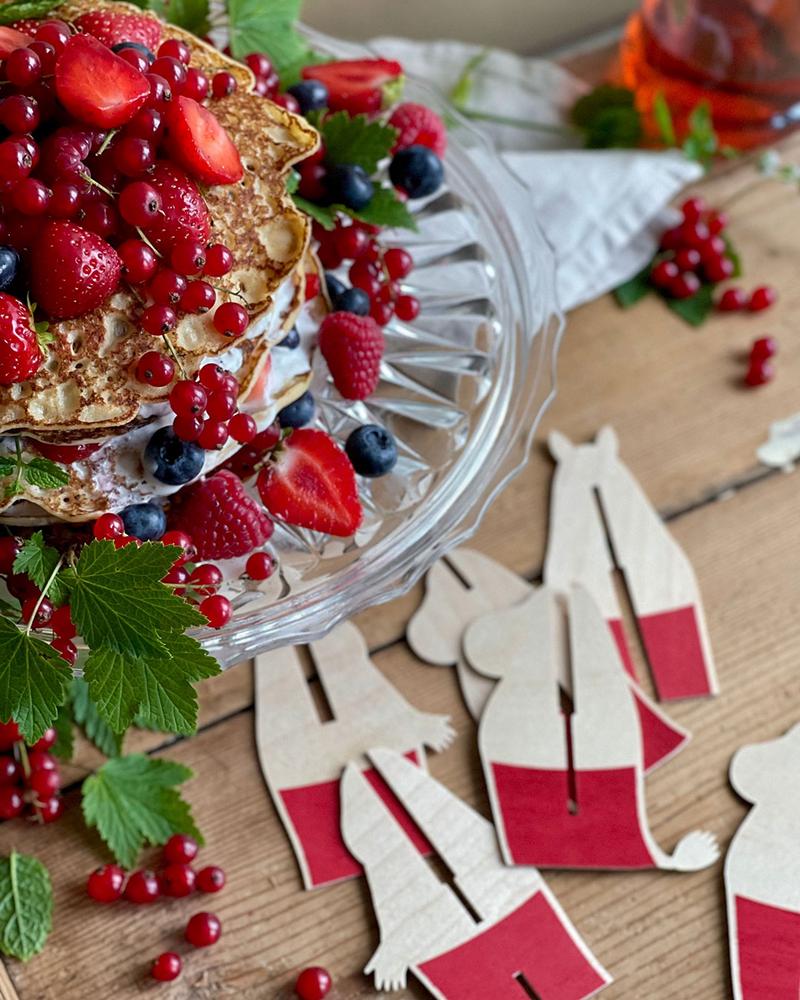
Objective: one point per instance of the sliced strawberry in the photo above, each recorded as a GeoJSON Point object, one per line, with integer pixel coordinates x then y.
{"type": "Point", "coordinates": [72, 270]}
{"type": "Point", "coordinates": [312, 484]}
{"type": "Point", "coordinates": [184, 213]}
{"type": "Point", "coordinates": [97, 86]}
{"type": "Point", "coordinates": [64, 454]}
{"type": "Point", "coordinates": [355, 85]}
{"type": "Point", "coordinates": [113, 28]}
{"type": "Point", "coordinates": [16, 37]}
{"type": "Point", "coordinates": [197, 142]}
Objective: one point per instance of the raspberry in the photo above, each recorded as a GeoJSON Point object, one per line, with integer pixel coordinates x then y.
{"type": "Point", "coordinates": [352, 347]}
{"type": "Point", "coordinates": [225, 521]}
{"type": "Point", "coordinates": [418, 126]}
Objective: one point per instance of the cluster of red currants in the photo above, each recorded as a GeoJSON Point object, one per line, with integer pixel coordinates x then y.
{"type": "Point", "coordinates": [176, 879]}
{"type": "Point", "coordinates": [760, 369]}
{"type": "Point", "coordinates": [693, 252]}
{"type": "Point", "coordinates": [29, 778]}
{"type": "Point", "coordinates": [206, 410]}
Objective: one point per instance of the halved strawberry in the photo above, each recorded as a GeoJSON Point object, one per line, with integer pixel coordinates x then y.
{"type": "Point", "coordinates": [356, 85]}
{"type": "Point", "coordinates": [64, 454]}
{"type": "Point", "coordinates": [97, 86]}
{"type": "Point", "coordinates": [197, 142]}
{"type": "Point", "coordinates": [13, 38]}
{"type": "Point", "coordinates": [113, 28]}
{"type": "Point", "coordinates": [72, 270]}
{"type": "Point", "coordinates": [184, 213]}
{"type": "Point", "coordinates": [311, 484]}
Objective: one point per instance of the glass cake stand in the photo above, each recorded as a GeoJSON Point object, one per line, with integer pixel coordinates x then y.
{"type": "Point", "coordinates": [462, 390]}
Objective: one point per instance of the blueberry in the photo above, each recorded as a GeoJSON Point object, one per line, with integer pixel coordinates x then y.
{"type": "Point", "coordinates": [372, 451]}
{"type": "Point", "coordinates": [352, 300]}
{"type": "Point", "coordinates": [171, 460]}
{"type": "Point", "coordinates": [291, 340]}
{"type": "Point", "coordinates": [334, 285]}
{"type": "Point", "coordinates": [146, 521]}
{"type": "Point", "coordinates": [298, 413]}
{"type": "Point", "coordinates": [150, 56]}
{"type": "Point", "coordinates": [311, 95]}
{"type": "Point", "coordinates": [416, 170]}
{"type": "Point", "coordinates": [348, 184]}
{"type": "Point", "coordinates": [9, 267]}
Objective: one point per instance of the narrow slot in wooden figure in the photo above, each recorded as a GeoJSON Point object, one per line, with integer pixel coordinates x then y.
{"type": "Point", "coordinates": [302, 757]}
{"type": "Point", "coordinates": [465, 585]}
{"type": "Point", "coordinates": [593, 492]}
{"type": "Point", "coordinates": [521, 935]}
{"type": "Point", "coordinates": [567, 790]}
{"type": "Point", "coordinates": [762, 872]}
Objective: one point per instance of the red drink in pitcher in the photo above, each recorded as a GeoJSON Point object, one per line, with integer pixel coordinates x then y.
{"type": "Point", "coordinates": [742, 56]}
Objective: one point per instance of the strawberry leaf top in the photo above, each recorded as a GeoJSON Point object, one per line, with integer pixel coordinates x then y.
{"type": "Point", "coordinates": [133, 801]}
{"type": "Point", "coordinates": [26, 906]}
{"type": "Point", "coordinates": [33, 681]}
{"type": "Point", "coordinates": [355, 140]}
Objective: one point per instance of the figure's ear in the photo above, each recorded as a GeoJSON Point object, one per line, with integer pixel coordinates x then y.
{"type": "Point", "coordinates": [560, 446]}
{"type": "Point", "coordinates": [607, 440]}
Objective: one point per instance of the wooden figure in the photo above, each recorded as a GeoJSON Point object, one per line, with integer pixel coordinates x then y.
{"type": "Point", "coordinates": [497, 934]}
{"type": "Point", "coordinates": [466, 584]}
{"type": "Point", "coordinates": [594, 494]}
{"type": "Point", "coordinates": [566, 788]}
{"type": "Point", "coordinates": [302, 757]}
{"type": "Point", "coordinates": [762, 872]}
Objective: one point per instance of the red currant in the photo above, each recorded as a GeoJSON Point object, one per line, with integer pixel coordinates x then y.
{"type": "Point", "coordinates": [187, 397]}
{"type": "Point", "coordinates": [313, 983]}
{"type": "Point", "coordinates": [44, 784]}
{"type": "Point", "coordinates": [167, 287]}
{"type": "Point", "coordinates": [199, 298]}
{"type": "Point", "coordinates": [101, 218]}
{"type": "Point", "coordinates": [311, 186]}
{"type": "Point", "coordinates": [48, 810]}
{"type": "Point", "coordinates": [187, 427]}
{"type": "Point", "coordinates": [9, 735]}
{"type": "Point", "coordinates": [196, 86]}
{"type": "Point", "coordinates": [66, 649]}
{"type": "Point", "coordinates": [223, 84]}
{"type": "Point", "coordinates": [242, 428]}
{"type": "Point", "coordinates": [10, 771]}
{"type": "Point", "coordinates": [759, 373]}
{"type": "Point", "coordinates": [41, 615]}
{"type": "Point", "coordinates": [205, 579]}
{"type": "Point", "coordinates": [65, 200]}
{"type": "Point", "coordinates": [687, 259]}
{"type": "Point", "coordinates": [398, 263]}
{"type": "Point", "coordinates": [219, 260]}
{"type": "Point", "coordinates": [183, 541]}
{"type": "Point", "coordinates": [135, 58]}
{"type": "Point", "coordinates": [764, 347]}
{"type": "Point", "coordinates": [46, 53]}
{"type": "Point", "coordinates": [16, 161]}
{"type": "Point", "coordinates": [158, 320]}
{"type": "Point", "coordinates": [156, 369]}
{"type": "Point", "coordinates": [139, 261]}
{"type": "Point", "coordinates": [178, 880]}
{"type": "Point", "coordinates": [364, 275]}
{"type": "Point", "coordinates": [41, 760]}
{"type": "Point", "coordinates": [732, 299]}
{"type": "Point", "coordinates": [260, 566]}
{"type": "Point", "coordinates": [231, 319]}
{"type": "Point", "coordinates": [160, 91]}
{"type": "Point", "coordinates": [213, 436]}
{"type": "Point", "coordinates": [55, 33]}
{"type": "Point", "coordinates": [142, 887]}
{"type": "Point", "coordinates": [188, 257]}
{"type": "Point", "coordinates": [671, 239]}
{"type": "Point", "coordinates": [692, 209]}
{"type": "Point", "coordinates": [685, 285]}
{"type": "Point", "coordinates": [146, 124]}
{"type": "Point", "coordinates": [174, 48]}
{"type": "Point", "coordinates": [11, 802]}
{"type": "Point", "coordinates": [108, 526]}
{"type": "Point", "coordinates": [171, 70]}
{"type": "Point", "coordinates": [210, 879]}
{"type": "Point", "coordinates": [212, 376]}
{"type": "Point", "coordinates": [180, 849]}
{"type": "Point", "coordinates": [762, 298]}
{"type": "Point", "coordinates": [166, 967]}
{"type": "Point", "coordinates": [10, 548]}
{"type": "Point", "coordinates": [133, 156]}
{"type": "Point", "coordinates": [63, 626]}
{"type": "Point", "coordinates": [139, 203]}
{"type": "Point", "coordinates": [20, 113]}
{"type": "Point", "coordinates": [381, 312]}
{"type": "Point", "coordinates": [717, 222]}
{"type": "Point", "coordinates": [217, 610]}
{"type": "Point", "coordinates": [221, 405]}
{"type": "Point", "coordinates": [406, 308]}
{"type": "Point", "coordinates": [718, 268]}
{"type": "Point", "coordinates": [312, 286]}
{"type": "Point", "coordinates": [259, 64]}
{"type": "Point", "coordinates": [47, 740]}
{"type": "Point", "coordinates": [23, 67]}
{"type": "Point", "coordinates": [350, 242]}
{"type": "Point", "coordinates": [203, 929]}
{"type": "Point", "coordinates": [694, 234]}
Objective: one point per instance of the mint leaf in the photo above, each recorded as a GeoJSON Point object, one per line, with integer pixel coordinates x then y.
{"type": "Point", "coordinates": [19, 10]}
{"type": "Point", "coordinates": [356, 140]}
{"type": "Point", "coordinates": [7, 466]}
{"type": "Point", "coordinates": [39, 561]}
{"type": "Point", "coordinates": [696, 308]}
{"type": "Point", "coordinates": [96, 729]}
{"type": "Point", "coordinates": [461, 90]}
{"type": "Point", "coordinates": [663, 118]}
{"type": "Point", "coordinates": [325, 215]}
{"type": "Point", "coordinates": [634, 289]}
{"type": "Point", "coordinates": [608, 117]}
{"type": "Point", "coordinates": [118, 600]}
{"type": "Point", "coordinates": [44, 474]}
{"type": "Point", "coordinates": [133, 801]}
{"type": "Point", "coordinates": [385, 209]}
{"type": "Point", "coordinates": [701, 143]}
{"type": "Point", "coordinates": [292, 182]}
{"type": "Point", "coordinates": [26, 906]}
{"type": "Point", "coordinates": [189, 14]}
{"type": "Point", "coordinates": [269, 26]}
{"type": "Point", "coordinates": [33, 681]}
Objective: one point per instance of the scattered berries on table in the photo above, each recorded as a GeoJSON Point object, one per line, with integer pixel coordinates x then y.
{"type": "Point", "coordinates": [210, 879]}
{"type": "Point", "coordinates": [142, 887]}
{"type": "Point", "coordinates": [203, 930]}
{"type": "Point", "coordinates": [313, 983]}
{"type": "Point", "coordinates": [166, 967]}
{"type": "Point", "coordinates": [105, 885]}
{"type": "Point", "coordinates": [180, 849]}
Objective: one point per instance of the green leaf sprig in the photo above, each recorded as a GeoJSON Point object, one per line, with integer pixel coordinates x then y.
{"type": "Point", "coordinates": [38, 472]}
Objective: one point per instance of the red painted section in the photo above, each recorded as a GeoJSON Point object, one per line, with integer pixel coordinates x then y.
{"type": "Point", "coordinates": [672, 642]}
{"type": "Point", "coordinates": [769, 951]}
{"type": "Point", "coordinates": [314, 812]}
{"type": "Point", "coordinates": [531, 940]}
{"type": "Point", "coordinates": [618, 631]}
{"type": "Point", "coordinates": [540, 830]}
{"type": "Point", "coordinates": [659, 739]}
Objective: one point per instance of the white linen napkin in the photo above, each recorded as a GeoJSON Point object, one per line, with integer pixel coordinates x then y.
{"type": "Point", "coordinates": [602, 211]}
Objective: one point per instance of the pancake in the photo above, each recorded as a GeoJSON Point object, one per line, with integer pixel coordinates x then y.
{"type": "Point", "coordinates": [87, 381]}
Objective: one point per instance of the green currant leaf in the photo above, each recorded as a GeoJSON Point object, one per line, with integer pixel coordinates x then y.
{"type": "Point", "coordinates": [189, 14]}
{"type": "Point", "coordinates": [26, 906]}
{"type": "Point", "coordinates": [696, 309]}
{"type": "Point", "coordinates": [33, 681]}
{"type": "Point", "coordinates": [269, 26]}
{"type": "Point", "coordinates": [19, 10]}
{"type": "Point", "coordinates": [133, 801]}
{"type": "Point", "coordinates": [634, 289]}
{"type": "Point", "coordinates": [608, 118]}
{"type": "Point", "coordinates": [64, 746]}
{"type": "Point", "coordinates": [356, 140]}
{"type": "Point", "coordinates": [385, 209]}
{"type": "Point", "coordinates": [95, 728]}
{"type": "Point", "coordinates": [325, 215]}
{"type": "Point", "coordinates": [38, 561]}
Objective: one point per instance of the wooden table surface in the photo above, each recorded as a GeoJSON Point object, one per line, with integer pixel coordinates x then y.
{"type": "Point", "coordinates": [689, 432]}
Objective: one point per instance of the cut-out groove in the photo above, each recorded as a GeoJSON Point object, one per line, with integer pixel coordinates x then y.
{"type": "Point", "coordinates": [527, 989]}
{"type": "Point", "coordinates": [316, 688]}
{"type": "Point", "coordinates": [439, 868]}
{"type": "Point", "coordinates": [456, 573]}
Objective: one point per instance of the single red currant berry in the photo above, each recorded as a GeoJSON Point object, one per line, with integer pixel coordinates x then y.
{"type": "Point", "coordinates": [171, 70]}
{"type": "Point", "coordinates": [692, 209]}
{"type": "Point", "coordinates": [55, 33]}
{"type": "Point", "coordinates": [672, 239]}
{"type": "Point", "coordinates": [100, 217]}
{"type": "Point", "coordinates": [9, 735]}
{"type": "Point", "coordinates": [11, 802]}
{"type": "Point", "coordinates": [231, 319]}
{"type": "Point", "coordinates": [381, 312]}
{"type": "Point", "coordinates": [363, 275]}
{"type": "Point", "coordinates": [210, 879]}
{"type": "Point", "coordinates": [36, 613]}
{"type": "Point", "coordinates": [174, 48]}
{"type": "Point", "coordinates": [694, 234]}
{"type": "Point", "coordinates": [398, 263]}
{"type": "Point", "coordinates": [219, 260]}
{"type": "Point", "coordinates": [142, 887]}
{"type": "Point", "coordinates": [762, 298]}
{"type": "Point", "coordinates": [160, 91]}
{"type": "Point", "coordinates": [48, 810]}
{"type": "Point", "coordinates": [213, 436]}
{"type": "Point", "coordinates": [229, 384]}
{"type": "Point", "coordinates": [685, 285]}
{"type": "Point", "coordinates": [187, 427]}
{"type": "Point", "coordinates": [66, 649]}
{"type": "Point", "coordinates": [139, 204]}
{"type": "Point", "coordinates": [188, 257]}
{"type": "Point", "coordinates": [16, 161]}
{"type": "Point", "coordinates": [713, 247]}
{"type": "Point", "coordinates": [105, 885]}
{"type": "Point", "coordinates": [260, 64]}
{"type": "Point", "coordinates": [178, 575]}
{"type": "Point", "coordinates": [242, 428]}
{"type": "Point", "coordinates": [133, 156]}
{"type": "Point", "coordinates": [732, 299]}
{"type": "Point", "coordinates": [217, 610]}
{"type": "Point", "coordinates": [406, 308]}
{"type": "Point", "coordinates": [350, 242]}
{"type": "Point", "coordinates": [687, 259]}
{"type": "Point", "coordinates": [146, 124]}
{"type": "Point", "coordinates": [187, 397]}
{"type": "Point", "coordinates": [388, 292]}
{"type": "Point", "coordinates": [311, 186]}
{"type": "Point", "coordinates": [10, 771]}
{"type": "Point", "coordinates": [221, 405]}
{"type": "Point", "coordinates": [166, 967]}
{"type": "Point", "coordinates": [205, 579]}
{"type": "Point", "coordinates": [759, 373]}
{"type": "Point", "coordinates": [196, 86]}
{"type": "Point", "coordinates": [260, 566]}
{"type": "Point", "coordinates": [223, 85]}
{"type": "Point", "coordinates": [199, 298]}
{"type": "Point", "coordinates": [167, 287]}
{"type": "Point", "coordinates": [154, 368]}
{"type": "Point", "coordinates": [135, 58]}
{"type": "Point", "coordinates": [158, 320]}
{"type": "Point", "coordinates": [313, 983]}
{"type": "Point", "coordinates": [23, 67]}
{"type": "Point", "coordinates": [329, 256]}
{"type": "Point", "coordinates": [41, 760]}
{"type": "Point", "coordinates": [178, 880]}
{"type": "Point", "coordinates": [211, 376]}
{"type": "Point", "coordinates": [65, 200]}
{"type": "Point", "coordinates": [44, 784]}
{"type": "Point", "coordinates": [10, 548]}
{"type": "Point", "coordinates": [48, 739]}
{"type": "Point", "coordinates": [139, 261]}
{"type": "Point", "coordinates": [718, 269]}
{"type": "Point", "coordinates": [108, 526]}
{"type": "Point", "coordinates": [20, 113]}
{"type": "Point", "coordinates": [717, 222]}
{"type": "Point", "coordinates": [203, 929]}
{"type": "Point", "coordinates": [63, 626]}
{"type": "Point", "coordinates": [180, 849]}
{"type": "Point", "coordinates": [183, 541]}
{"type": "Point", "coordinates": [46, 54]}
{"type": "Point", "coordinates": [764, 347]}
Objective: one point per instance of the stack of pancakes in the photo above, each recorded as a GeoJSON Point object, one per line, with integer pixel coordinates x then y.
{"type": "Point", "coordinates": [87, 392]}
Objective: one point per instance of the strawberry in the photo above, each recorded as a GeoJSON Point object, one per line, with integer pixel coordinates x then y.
{"type": "Point", "coordinates": [197, 142]}
{"type": "Point", "coordinates": [311, 483]}
{"type": "Point", "coordinates": [352, 347]}
{"type": "Point", "coordinates": [64, 454]}
{"type": "Point", "coordinates": [72, 270]}
{"type": "Point", "coordinates": [418, 126]}
{"type": "Point", "coordinates": [247, 459]}
{"type": "Point", "coordinates": [225, 522]}
{"type": "Point", "coordinates": [96, 85]}
{"type": "Point", "coordinates": [112, 28]}
{"type": "Point", "coordinates": [356, 85]}
{"type": "Point", "coordinates": [20, 354]}
{"type": "Point", "coordinates": [18, 36]}
{"type": "Point", "coordinates": [184, 213]}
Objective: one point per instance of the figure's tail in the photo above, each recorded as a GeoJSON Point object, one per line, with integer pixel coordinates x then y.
{"type": "Point", "coordinates": [696, 850]}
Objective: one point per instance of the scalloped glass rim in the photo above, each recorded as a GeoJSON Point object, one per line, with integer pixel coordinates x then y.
{"type": "Point", "coordinates": [499, 440]}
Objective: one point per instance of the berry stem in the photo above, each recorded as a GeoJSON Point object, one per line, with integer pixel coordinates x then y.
{"type": "Point", "coordinates": [144, 239]}
{"type": "Point", "coordinates": [174, 355]}
{"type": "Point", "coordinates": [22, 753]}
{"type": "Point", "coordinates": [487, 116]}
{"type": "Point", "coordinates": [43, 594]}
{"type": "Point", "coordinates": [90, 180]}
{"type": "Point", "coordinates": [107, 141]}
